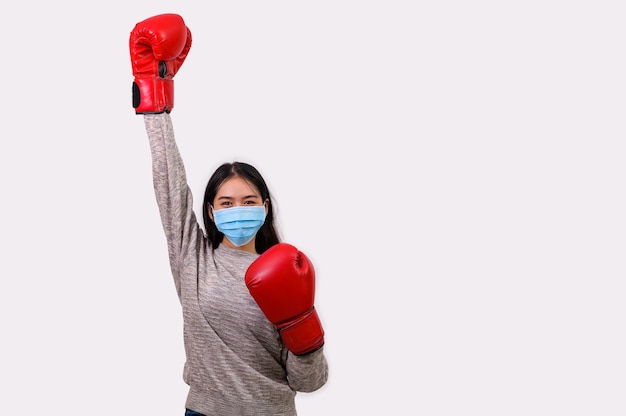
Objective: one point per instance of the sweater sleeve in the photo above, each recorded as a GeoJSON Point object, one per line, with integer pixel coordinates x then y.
{"type": "Point", "coordinates": [172, 192]}
{"type": "Point", "coordinates": [307, 373]}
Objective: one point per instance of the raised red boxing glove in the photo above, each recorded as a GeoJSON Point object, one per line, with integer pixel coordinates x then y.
{"type": "Point", "coordinates": [158, 47]}
{"type": "Point", "coordinates": [282, 282]}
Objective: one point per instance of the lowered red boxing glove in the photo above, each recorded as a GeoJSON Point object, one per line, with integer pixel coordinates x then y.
{"type": "Point", "coordinates": [158, 47]}
{"type": "Point", "coordinates": [282, 282]}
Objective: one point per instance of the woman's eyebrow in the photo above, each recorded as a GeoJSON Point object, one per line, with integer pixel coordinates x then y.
{"type": "Point", "coordinates": [244, 197]}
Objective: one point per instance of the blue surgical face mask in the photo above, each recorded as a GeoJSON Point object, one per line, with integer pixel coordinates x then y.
{"type": "Point", "coordinates": [239, 224]}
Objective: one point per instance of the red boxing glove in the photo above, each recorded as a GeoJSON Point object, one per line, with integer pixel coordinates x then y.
{"type": "Point", "coordinates": [158, 48]}
{"type": "Point", "coordinates": [282, 282]}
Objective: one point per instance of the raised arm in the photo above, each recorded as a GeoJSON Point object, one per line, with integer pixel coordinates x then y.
{"type": "Point", "coordinates": [158, 48]}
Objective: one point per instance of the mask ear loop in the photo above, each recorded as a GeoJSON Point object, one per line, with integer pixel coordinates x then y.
{"type": "Point", "coordinates": [211, 214]}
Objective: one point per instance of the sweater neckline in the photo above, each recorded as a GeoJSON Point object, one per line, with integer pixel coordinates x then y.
{"type": "Point", "coordinates": [235, 254]}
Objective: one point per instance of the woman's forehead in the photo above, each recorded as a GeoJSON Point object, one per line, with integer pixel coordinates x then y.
{"type": "Point", "coordinates": [237, 187]}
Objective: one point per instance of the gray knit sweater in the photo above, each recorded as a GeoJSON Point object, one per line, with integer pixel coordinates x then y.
{"type": "Point", "coordinates": [235, 361]}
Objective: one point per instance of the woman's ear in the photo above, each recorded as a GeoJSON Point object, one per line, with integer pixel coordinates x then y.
{"type": "Point", "coordinates": [267, 206]}
{"type": "Point", "coordinates": [210, 211]}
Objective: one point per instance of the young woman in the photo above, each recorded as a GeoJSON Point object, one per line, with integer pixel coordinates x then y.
{"type": "Point", "coordinates": [252, 336]}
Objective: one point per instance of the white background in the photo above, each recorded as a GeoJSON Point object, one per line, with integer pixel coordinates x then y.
{"type": "Point", "coordinates": [454, 169]}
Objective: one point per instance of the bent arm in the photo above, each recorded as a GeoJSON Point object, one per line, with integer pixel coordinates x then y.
{"type": "Point", "coordinates": [307, 373]}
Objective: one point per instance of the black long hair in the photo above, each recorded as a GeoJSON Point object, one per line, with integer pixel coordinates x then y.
{"type": "Point", "coordinates": [267, 236]}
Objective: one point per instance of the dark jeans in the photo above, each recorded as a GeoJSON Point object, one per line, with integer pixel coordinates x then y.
{"type": "Point", "coordinates": [192, 413]}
